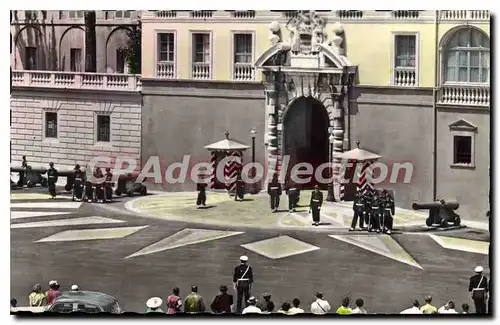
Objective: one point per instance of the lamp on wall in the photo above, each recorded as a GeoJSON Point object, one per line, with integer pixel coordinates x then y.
{"type": "Point", "coordinates": [330, 195]}
{"type": "Point", "coordinates": [253, 189]}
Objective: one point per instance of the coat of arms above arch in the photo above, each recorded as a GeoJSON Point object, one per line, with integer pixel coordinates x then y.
{"type": "Point", "coordinates": [308, 44]}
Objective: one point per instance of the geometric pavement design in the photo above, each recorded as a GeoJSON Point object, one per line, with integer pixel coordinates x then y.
{"type": "Point", "coordinates": [384, 245]}
{"type": "Point", "coordinates": [185, 237]}
{"type": "Point", "coordinates": [460, 244]}
{"type": "Point", "coordinates": [279, 247]}
{"type": "Point", "coordinates": [46, 205]}
{"type": "Point", "coordinates": [66, 222]}
{"type": "Point", "coordinates": [33, 214]}
{"type": "Point", "coordinates": [91, 234]}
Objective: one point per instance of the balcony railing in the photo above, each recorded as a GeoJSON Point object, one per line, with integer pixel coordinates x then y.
{"type": "Point", "coordinates": [243, 72]}
{"type": "Point", "coordinates": [350, 14]}
{"type": "Point", "coordinates": [166, 14]}
{"type": "Point", "coordinates": [165, 70]}
{"type": "Point", "coordinates": [405, 14]}
{"type": "Point", "coordinates": [464, 15]}
{"type": "Point", "coordinates": [405, 77]}
{"type": "Point", "coordinates": [76, 80]}
{"type": "Point", "coordinates": [465, 95]}
{"type": "Point", "coordinates": [202, 14]}
{"type": "Point", "coordinates": [201, 70]}
{"type": "Point", "coordinates": [243, 14]}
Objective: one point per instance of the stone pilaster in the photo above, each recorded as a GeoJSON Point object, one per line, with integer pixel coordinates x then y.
{"type": "Point", "coordinates": [272, 132]}
{"type": "Point", "coordinates": [338, 131]}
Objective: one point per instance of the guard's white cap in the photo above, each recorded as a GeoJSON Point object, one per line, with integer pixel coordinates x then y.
{"type": "Point", "coordinates": [154, 302]}
{"type": "Point", "coordinates": [74, 287]}
{"type": "Point", "coordinates": [478, 269]}
{"type": "Point", "coordinates": [243, 258]}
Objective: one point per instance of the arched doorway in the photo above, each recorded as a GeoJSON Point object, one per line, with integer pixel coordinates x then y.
{"type": "Point", "coordinates": [305, 136]}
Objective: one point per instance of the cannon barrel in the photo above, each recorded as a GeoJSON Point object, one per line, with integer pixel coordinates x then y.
{"type": "Point", "coordinates": [19, 169]}
{"type": "Point", "coordinates": [434, 205]}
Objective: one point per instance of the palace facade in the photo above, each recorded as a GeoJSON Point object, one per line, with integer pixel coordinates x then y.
{"type": "Point", "coordinates": [411, 86]}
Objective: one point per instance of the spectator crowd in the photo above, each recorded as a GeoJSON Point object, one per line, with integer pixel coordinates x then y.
{"type": "Point", "coordinates": [224, 303]}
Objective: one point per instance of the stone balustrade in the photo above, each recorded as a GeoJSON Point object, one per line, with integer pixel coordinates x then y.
{"type": "Point", "coordinates": [464, 95]}
{"type": "Point", "coordinates": [165, 70]}
{"type": "Point", "coordinates": [166, 14]}
{"type": "Point", "coordinates": [217, 16]}
{"type": "Point", "coordinates": [201, 71]}
{"type": "Point", "coordinates": [203, 14]}
{"type": "Point", "coordinates": [405, 77]}
{"type": "Point", "coordinates": [76, 80]}
{"type": "Point", "coordinates": [243, 14]}
{"type": "Point", "coordinates": [243, 72]}
{"type": "Point", "coordinates": [405, 14]}
{"type": "Point", "coordinates": [350, 14]}
{"type": "Point", "coordinates": [464, 15]}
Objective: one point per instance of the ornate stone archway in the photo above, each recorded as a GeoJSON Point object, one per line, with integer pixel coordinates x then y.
{"type": "Point", "coordinates": [307, 64]}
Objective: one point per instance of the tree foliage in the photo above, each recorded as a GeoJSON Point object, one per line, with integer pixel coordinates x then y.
{"type": "Point", "coordinates": [133, 50]}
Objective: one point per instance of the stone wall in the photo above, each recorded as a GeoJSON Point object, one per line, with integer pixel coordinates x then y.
{"type": "Point", "coordinates": [77, 120]}
{"type": "Point", "coordinates": [469, 186]}
{"type": "Point", "coordinates": [182, 117]}
{"type": "Point", "coordinates": [397, 124]}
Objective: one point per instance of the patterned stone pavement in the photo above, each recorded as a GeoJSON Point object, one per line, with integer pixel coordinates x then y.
{"type": "Point", "coordinates": [133, 257]}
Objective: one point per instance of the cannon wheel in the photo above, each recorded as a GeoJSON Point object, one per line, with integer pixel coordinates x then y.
{"type": "Point", "coordinates": [428, 222]}
{"type": "Point", "coordinates": [129, 188]}
{"type": "Point", "coordinates": [456, 221]}
{"type": "Point", "coordinates": [44, 182]}
{"type": "Point", "coordinates": [68, 187]}
{"type": "Point", "coordinates": [143, 191]}
{"type": "Point", "coordinates": [30, 184]}
{"type": "Point", "coordinates": [118, 192]}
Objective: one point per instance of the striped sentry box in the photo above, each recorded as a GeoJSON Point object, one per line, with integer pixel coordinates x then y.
{"type": "Point", "coordinates": [363, 181]}
{"type": "Point", "coordinates": [232, 168]}
{"type": "Point", "coordinates": [213, 161]}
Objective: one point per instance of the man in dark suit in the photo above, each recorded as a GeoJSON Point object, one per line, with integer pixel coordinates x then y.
{"type": "Point", "coordinates": [478, 285]}
{"type": "Point", "coordinates": [315, 204]}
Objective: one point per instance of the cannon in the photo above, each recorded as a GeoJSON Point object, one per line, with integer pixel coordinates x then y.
{"type": "Point", "coordinates": [70, 177]}
{"type": "Point", "coordinates": [32, 176]}
{"type": "Point", "coordinates": [127, 184]}
{"type": "Point", "coordinates": [440, 212]}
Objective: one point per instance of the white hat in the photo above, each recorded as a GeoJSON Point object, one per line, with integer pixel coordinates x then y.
{"type": "Point", "coordinates": [154, 302]}
{"type": "Point", "coordinates": [243, 258]}
{"type": "Point", "coordinates": [478, 269]}
{"type": "Point", "coordinates": [53, 282]}
{"type": "Point", "coordinates": [74, 287]}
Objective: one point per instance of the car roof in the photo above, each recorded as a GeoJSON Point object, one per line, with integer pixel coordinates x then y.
{"type": "Point", "coordinates": [92, 297]}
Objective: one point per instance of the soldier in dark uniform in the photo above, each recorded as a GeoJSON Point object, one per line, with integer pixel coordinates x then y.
{"type": "Point", "coordinates": [78, 183]}
{"type": "Point", "coordinates": [375, 213]}
{"type": "Point", "coordinates": [22, 175]}
{"type": "Point", "coordinates": [367, 208]}
{"type": "Point", "coordinates": [274, 191]}
{"type": "Point", "coordinates": [99, 187]}
{"type": "Point", "coordinates": [478, 285]}
{"type": "Point", "coordinates": [242, 282]}
{"type": "Point", "coordinates": [315, 204]}
{"type": "Point", "coordinates": [292, 193]}
{"type": "Point", "coordinates": [358, 208]}
{"type": "Point", "coordinates": [89, 191]}
{"type": "Point", "coordinates": [240, 188]}
{"type": "Point", "coordinates": [52, 176]}
{"type": "Point", "coordinates": [388, 211]}
{"type": "Point", "coordinates": [202, 195]}
{"type": "Point", "coordinates": [108, 185]}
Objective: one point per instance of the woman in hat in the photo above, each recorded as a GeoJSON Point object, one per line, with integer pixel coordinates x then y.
{"type": "Point", "coordinates": [153, 305]}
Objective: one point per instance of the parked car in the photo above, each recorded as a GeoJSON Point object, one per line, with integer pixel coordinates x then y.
{"type": "Point", "coordinates": [86, 302]}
